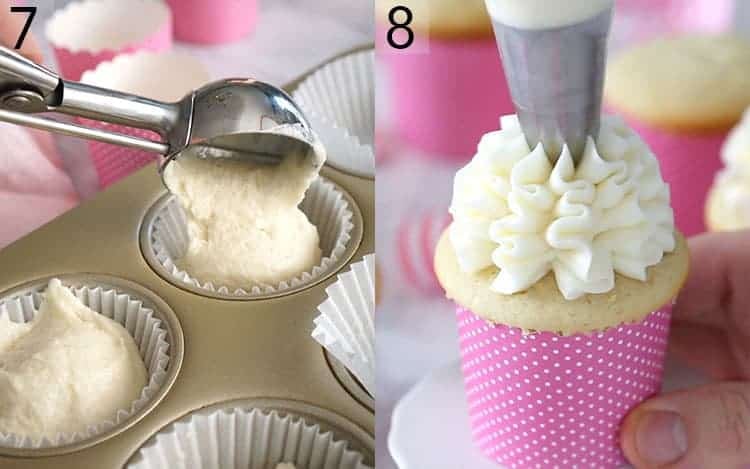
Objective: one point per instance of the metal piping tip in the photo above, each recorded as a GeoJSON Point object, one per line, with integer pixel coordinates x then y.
{"type": "Point", "coordinates": [556, 80]}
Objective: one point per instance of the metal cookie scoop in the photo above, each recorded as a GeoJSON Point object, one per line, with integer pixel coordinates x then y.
{"type": "Point", "coordinates": [556, 80]}
{"type": "Point", "coordinates": [234, 118]}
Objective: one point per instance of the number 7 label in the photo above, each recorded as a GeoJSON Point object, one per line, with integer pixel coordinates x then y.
{"type": "Point", "coordinates": [32, 13]}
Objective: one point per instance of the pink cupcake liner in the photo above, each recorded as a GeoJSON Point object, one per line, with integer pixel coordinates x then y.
{"type": "Point", "coordinates": [75, 54]}
{"type": "Point", "coordinates": [113, 162]}
{"type": "Point", "coordinates": [417, 238]}
{"type": "Point", "coordinates": [133, 73]}
{"type": "Point", "coordinates": [212, 21]}
{"type": "Point", "coordinates": [689, 164]}
{"type": "Point", "coordinates": [542, 400]}
{"type": "Point", "coordinates": [445, 100]}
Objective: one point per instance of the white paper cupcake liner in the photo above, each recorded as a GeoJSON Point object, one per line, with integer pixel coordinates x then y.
{"type": "Point", "coordinates": [245, 439]}
{"type": "Point", "coordinates": [346, 325]}
{"type": "Point", "coordinates": [134, 73]}
{"type": "Point", "coordinates": [344, 151]}
{"type": "Point", "coordinates": [326, 207]}
{"type": "Point", "coordinates": [341, 96]}
{"type": "Point", "coordinates": [150, 335]}
{"type": "Point", "coordinates": [97, 25]}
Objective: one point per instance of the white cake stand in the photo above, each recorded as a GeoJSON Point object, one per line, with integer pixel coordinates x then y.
{"type": "Point", "coordinates": [430, 425]}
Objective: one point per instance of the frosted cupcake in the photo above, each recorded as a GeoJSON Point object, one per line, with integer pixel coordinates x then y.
{"type": "Point", "coordinates": [728, 205]}
{"type": "Point", "coordinates": [564, 279]}
{"type": "Point", "coordinates": [448, 87]}
{"type": "Point", "coordinates": [683, 94]}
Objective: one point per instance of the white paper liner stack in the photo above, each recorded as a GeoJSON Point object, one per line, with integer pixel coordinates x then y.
{"type": "Point", "coordinates": [237, 438]}
{"type": "Point", "coordinates": [178, 73]}
{"type": "Point", "coordinates": [325, 207]}
{"type": "Point", "coordinates": [144, 326]}
{"type": "Point", "coordinates": [339, 101]}
{"type": "Point", "coordinates": [346, 324]}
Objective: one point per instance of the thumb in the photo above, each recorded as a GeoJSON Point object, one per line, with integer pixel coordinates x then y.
{"type": "Point", "coordinates": [708, 426]}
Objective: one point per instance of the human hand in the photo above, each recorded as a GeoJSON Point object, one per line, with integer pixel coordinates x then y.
{"type": "Point", "coordinates": [11, 25]}
{"type": "Point", "coordinates": [708, 426]}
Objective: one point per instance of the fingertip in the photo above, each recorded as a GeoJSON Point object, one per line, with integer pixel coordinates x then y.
{"type": "Point", "coordinates": [627, 437]}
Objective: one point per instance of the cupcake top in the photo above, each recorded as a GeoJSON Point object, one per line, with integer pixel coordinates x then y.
{"type": "Point", "coordinates": [694, 83]}
{"type": "Point", "coordinates": [443, 19]}
{"type": "Point", "coordinates": [535, 245]}
{"type": "Point", "coordinates": [728, 206]}
{"type": "Point", "coordinates": [244, 222]}
{"type": "Point", "coordinates": [67, 369]}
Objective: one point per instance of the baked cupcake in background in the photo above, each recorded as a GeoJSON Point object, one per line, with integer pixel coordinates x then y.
{"type": "Point", "coordinates": [728, 205]}
{"type": "Point", "coordinates": [564, 278]}
{"type": "Point", "coordinates": [682, 95]}
{"type": "Point", "coordinates": [447, 88]}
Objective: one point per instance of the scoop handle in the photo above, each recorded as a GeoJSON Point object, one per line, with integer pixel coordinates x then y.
{"type": "Point", "coordinates": [28, 88]}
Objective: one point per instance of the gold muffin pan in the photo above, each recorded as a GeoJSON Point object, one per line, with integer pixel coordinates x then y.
{"type": "Point", "coordinates": [255, 351]}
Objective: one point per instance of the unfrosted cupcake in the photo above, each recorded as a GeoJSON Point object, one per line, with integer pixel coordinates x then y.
{"type": "Point", "coordinates": [682, 95]}
{"type": "Point", "coordinates": [564, 278]}
{"type": "Point", "coordinates": [447, 87]}
{"type": "Point", "coordinates": [728, 205]}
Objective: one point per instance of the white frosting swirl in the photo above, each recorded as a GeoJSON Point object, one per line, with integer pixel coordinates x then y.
{"type": "Point", "coordinates": [515, 211]}
{"type": "Point", "coordinates": [545, 14]}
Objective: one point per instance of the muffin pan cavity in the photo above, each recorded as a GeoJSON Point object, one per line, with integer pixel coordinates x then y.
{"type": "Point", "coordinates": [148, 319]}
{"type": "Point", "coordinates": [164, 239]}
{"type": "Point", "coordinates": [258, 434]}
{"type": "Point", "coordinates": [349, 382]}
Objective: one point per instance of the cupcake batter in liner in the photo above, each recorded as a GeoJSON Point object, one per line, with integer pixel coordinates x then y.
{"type": "Point", "coordinates": [144, 324]}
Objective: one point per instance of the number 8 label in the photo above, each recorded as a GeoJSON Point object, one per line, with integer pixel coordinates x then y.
{"type": "Point", "coordinates": [400, 26]}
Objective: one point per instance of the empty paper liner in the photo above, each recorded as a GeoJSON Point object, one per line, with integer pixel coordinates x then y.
{"type": "Point", "coordinates": [346, 324]}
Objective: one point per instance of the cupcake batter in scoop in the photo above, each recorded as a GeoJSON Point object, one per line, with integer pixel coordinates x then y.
{"type": "Point", "coordinates": [244, 223]}
{"type": "Point", "coordinates": [65, 370]}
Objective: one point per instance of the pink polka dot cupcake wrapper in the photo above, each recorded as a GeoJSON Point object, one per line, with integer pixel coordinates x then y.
{"type": "Point", "coordinates": [537, 400]}
{"type": "Point", "coordinates": [113, 162]}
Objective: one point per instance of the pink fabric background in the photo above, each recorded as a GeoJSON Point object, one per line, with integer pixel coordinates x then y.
{"type": "Point", "coordinates": [34, 187]}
